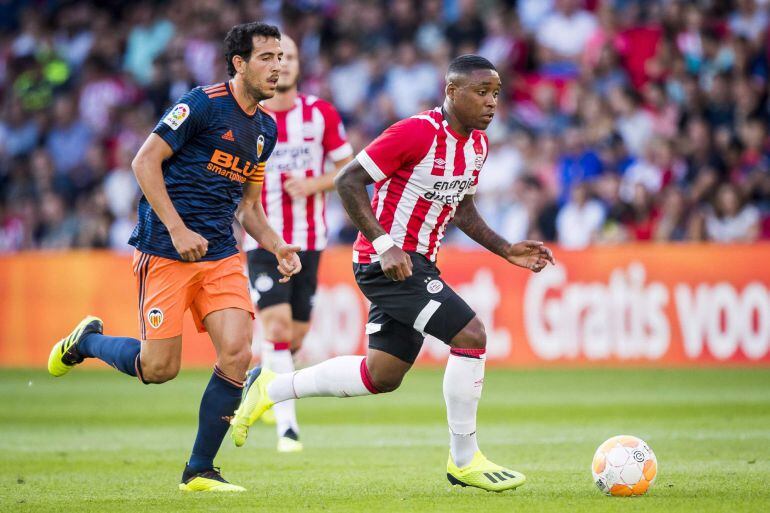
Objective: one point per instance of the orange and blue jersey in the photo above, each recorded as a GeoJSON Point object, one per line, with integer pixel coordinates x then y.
{"type": "Point", "coordinates": [218, 147]}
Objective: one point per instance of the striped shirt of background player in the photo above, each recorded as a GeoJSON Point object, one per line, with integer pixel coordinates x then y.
{"type": "Point", "coordinates": [307, 134]}
{"type": "Point", "coordinates": [413, 163]}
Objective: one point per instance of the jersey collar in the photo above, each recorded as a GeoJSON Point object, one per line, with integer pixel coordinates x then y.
{"type": "Point", "coordinates": [235, 100]}
{"type": "Point", "coordinates": [448, 128]}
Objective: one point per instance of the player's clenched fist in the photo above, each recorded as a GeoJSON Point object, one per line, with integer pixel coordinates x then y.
{"type": "Point", "coordinates": [191, 246]}
{"type": "Point", "coordinates": [396, 264]}
{"type": "Point", "coordinates": [299, 187]}
{"type": "Point", "coordinates": [288, 261]}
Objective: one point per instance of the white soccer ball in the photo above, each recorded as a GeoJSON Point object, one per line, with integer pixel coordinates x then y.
{"type": "Point", "coordinates": [623, 466]}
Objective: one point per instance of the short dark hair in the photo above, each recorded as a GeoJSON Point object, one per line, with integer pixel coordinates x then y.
{"type": "Point", "coordinates": [240, 41]}
{"type": "Point", "coordinates": [467, 64]}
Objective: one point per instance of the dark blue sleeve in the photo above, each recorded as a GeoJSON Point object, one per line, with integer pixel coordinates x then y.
{"type": "Point", "coordinates": [269, 146]}
{"type": "Point", "coordinates": [270, 137]}
{"type": "Point", "coordinates": [184, 119]}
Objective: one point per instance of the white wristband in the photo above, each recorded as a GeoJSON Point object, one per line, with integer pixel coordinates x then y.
{"type": "Point", "coordinates": [383, 243]}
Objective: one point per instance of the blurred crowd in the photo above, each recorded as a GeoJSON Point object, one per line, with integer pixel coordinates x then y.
{"type": "Point", "coordinates": [620, 120]}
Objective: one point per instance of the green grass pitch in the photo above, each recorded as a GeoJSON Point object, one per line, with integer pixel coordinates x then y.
{"type": "Point", "coordinates": [98, 441]}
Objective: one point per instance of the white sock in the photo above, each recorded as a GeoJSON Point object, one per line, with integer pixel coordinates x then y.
{"type": "Point", "coordinates": [277, 357]}
{"type": "Point", "coordinates": [463, 381]}
{"type": "Point", "coordinates": [343, 376]}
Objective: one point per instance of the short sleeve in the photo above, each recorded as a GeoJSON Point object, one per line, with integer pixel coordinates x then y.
{"type": "Point", "coordinates": [402, 145]}
{"type": "Point", "coordinates": [481, 145]}
{"type": "Point", "coordinates": [269, 145]}
{"type": "Point", "coordinates": [335, 140]}
{"type": "Point", "coordinates": [269, 140]}
{"type": "Point", "coordinates": [184, 119]}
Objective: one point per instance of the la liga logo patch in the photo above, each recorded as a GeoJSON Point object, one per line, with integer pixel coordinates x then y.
{"type": "Point", "coordinates": [155, 317]}
{"type": "Point", "coordinates": [177, 115]}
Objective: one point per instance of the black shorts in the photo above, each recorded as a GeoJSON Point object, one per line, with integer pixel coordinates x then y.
{"type": "Point", "coordinates": [297, 292]}
{"type": "Point", "coordinates": [403, 312]}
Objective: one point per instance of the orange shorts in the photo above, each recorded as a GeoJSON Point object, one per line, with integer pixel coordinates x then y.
{"type": "Point", "coordinates": [169, 287]}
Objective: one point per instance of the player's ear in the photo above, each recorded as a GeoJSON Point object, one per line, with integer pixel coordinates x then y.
{"type": "Point", "coordinates": [238, 63]}
{"type": "Point", "coordinates": [450, 90]}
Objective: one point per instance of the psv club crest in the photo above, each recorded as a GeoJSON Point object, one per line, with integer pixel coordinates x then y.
{"type": "Point", "coordinates": [260, 145]}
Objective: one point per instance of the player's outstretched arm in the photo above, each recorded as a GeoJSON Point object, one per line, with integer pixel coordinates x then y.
{"type": "Point", "coordinates": [532, 255]}
{"type": "Point", "coordinates": [191, 246]}
{"type": "Point", "coordinates": [252, 217]}
{"type": "Point", "coordinates": [351, 185]}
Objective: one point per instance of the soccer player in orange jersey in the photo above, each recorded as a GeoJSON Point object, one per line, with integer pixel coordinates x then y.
{"type": "Point", "coordinates": [203, 164]}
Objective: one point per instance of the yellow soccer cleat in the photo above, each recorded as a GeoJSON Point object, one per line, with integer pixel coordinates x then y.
{"type": "Point", "coordinates": [289, 441]}
{"type": "Point", "coordinates": [482, 473]}
{"type": "Point", "coordinates": [268, 418]}
{"type": "Point", "coordinates": [210, 480]}
{"type": "Point", "coordinates": [64, 354]}
{"type": "Point", "coordinates": [255, 402]}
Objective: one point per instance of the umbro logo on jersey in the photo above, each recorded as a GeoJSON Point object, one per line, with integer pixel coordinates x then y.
{"type": "Point", "coordinates": [228, 136]}
{"type": "Point", "coordinates": [439, 163]}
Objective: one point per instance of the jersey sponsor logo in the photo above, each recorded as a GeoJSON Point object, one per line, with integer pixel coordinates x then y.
{"type": "Point", "coordinates": [260, 145]}
{"type": "Point", "coordinates": [155, 317]}
{"type": "Point", "coordinates": [287, 158]}
{"type": "Point", "coordinates": [228, 136]}
{"type": "Point", "coordinates": [177, 116]}
{"type": "Point", "coordinates": [449, 192]}
{"type": "Point", "coordinates": [435, 286]}
{"type": "Point", "coordinates": [231, 166]}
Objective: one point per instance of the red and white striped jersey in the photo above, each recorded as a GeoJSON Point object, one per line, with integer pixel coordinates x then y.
{"type": "Point", "coordinates": [307, 133]}
{"type": "Point", "coordinates": [422, 170]}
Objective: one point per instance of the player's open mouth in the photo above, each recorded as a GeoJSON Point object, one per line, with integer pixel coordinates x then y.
{"type": "Point", "coordinates": [488, 117]}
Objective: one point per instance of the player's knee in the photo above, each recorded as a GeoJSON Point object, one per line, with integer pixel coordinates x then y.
{"type": "Point", "coordinates": [472, 336]}
{"type": "Point", "coordinates": [159, 372]}
{"type": "Point", "coordinates": [278, 330]}
{"type": "Point", "coordinates": [386, 381]}
{"type": "Point", "coordinates": [236, 356]}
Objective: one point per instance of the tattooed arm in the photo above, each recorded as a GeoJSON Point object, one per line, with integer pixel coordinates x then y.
{"type": "Point", "coordinates": [532, 255]}
{"type": "Point", "coordinates": [351, 185]}
{"type": "Point", "coordinates": [468, 220]}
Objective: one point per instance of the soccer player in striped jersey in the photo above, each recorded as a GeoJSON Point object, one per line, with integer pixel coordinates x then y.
{"type": "Point", "coordinates": [425, 171]}
{"type": "Point", "coordinates": [309, 132]}
{"type": "Point", "coordinates": [202, 165]}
